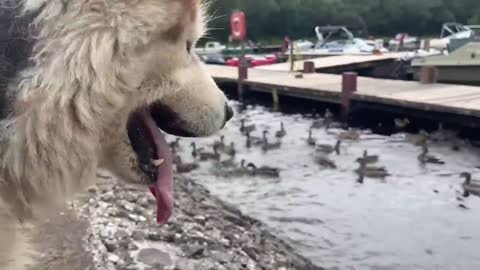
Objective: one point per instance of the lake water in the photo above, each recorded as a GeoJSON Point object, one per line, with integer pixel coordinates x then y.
{"type": "Point", "coordinates": [411, 220]}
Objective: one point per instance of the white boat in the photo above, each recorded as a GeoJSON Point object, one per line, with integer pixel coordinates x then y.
{"type": "Point", "coordinates": [409, 42]}
{"type": "Point", "coordinates": [338, 40]}
{"type": "Point", "coordinates": [211, 48]}
{"type": "Point", "coordinates": [451, 31]}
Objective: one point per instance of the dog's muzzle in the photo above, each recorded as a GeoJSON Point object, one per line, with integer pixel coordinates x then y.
{"type": "Point", "coordinates": [228, 113]}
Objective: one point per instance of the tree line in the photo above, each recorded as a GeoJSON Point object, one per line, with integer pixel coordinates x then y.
{"type": "Point", "coordinates": [297, 18]}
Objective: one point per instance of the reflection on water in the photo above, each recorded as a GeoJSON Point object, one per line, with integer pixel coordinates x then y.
{"type": "Point", "coordinates": [412, 220]}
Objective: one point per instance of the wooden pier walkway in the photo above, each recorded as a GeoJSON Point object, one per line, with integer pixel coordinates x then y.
{"type": "Point", "coordinates": [328, 62]}
{"type": "Point", "coordinates": [443, 98]}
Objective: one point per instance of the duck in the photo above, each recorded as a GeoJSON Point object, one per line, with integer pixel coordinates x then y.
{"type": "Point", "coordinates": [240, 171]}
{"type": "Point", "coordinates": [185, 167]}
{"type": "Point", "coordinates": [266, 146]}
{"type": "Point", "coordinates": [246, 129]}
{"type": "Point", "coordinates": [442, 135]}
{"type": "Point", "coordinates": [370, 171]}
{"type": "Point", "coordinates": [210, 155]}
{"type": "Point", "coordinates": [281, 133]}
{"type": "Point", "coordinates": [195, 150]}
{"type": "Point", "coordinates": [328, 149]}
{"type": "Point", "coordinates": [317, 124]}
{"type": "Point", "coordinates": [401, 123]}
{"type": "Point", "coordinates": [369, 158]}
{"type": "Point", "coordinates": [229, 150]}
{"type": "Point", "coordinates": [253, 140]}
{"type": "Point", "coordinates": [328, 116]}
{"type": "Point", "coordinates": [350, 134]}
{"type": "Point", "coordinates": [175, 144]}
{"type": "Point", "coordinates": [310, 140]}
{"type": "Point", "coordinates": [470, 186]}
{"type": "Point", "coordinates": [325, 162]}
{"type": "Point", "coordinates": [221, 143]}
{"type": "Point", "coordinates": [424, 157]}
{"type": "Point", "coordinates": [263, 170]}
{"type": "Point", "coordinates": [420, 139]}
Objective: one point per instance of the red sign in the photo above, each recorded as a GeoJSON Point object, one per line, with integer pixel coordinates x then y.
{"type": "Point", "coordinates": [238, 25]}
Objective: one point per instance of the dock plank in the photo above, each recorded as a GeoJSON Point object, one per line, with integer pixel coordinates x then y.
{"type": "Point", "coordinates": [334, 61]}
{"type": "Point", "coordinates": [458, 99]}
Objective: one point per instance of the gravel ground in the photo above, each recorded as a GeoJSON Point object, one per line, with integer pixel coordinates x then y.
{"type": "Point", "coordinates": [113, 227]}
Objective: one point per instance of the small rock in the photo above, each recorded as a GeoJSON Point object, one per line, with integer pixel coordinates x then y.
{"type": "Point", "coordinates": [138, 235]}
{"type": "Point", "coordinates": [130, 197]}
{"type": "Point", "coordinates": [200, 219]}
{"type": "Point", "coordinates": [139, 210]}
{"type": "Point", "coordinates": [132, 247]}
{"type": "Point", "coordinates": [113, 258]}
{"type": "Point", "coordinates": [126, 205]}
{"type": "Point", "coordinates": [153, 256]}
{"type": "Point", "coordinates": [110, 246]}
{"type": "Point", "coordinates": [143, 202]}
{"type": "Point", "coordinates": [154, 236]}
{"type": "Point", "coordinates": [92, 190]}
{"type": "Point", "coordinates": [122, 234]}
{"type": "Point", "coordinates": [194, 252]}
{"type": "Point", "coordinates": [108, 197]}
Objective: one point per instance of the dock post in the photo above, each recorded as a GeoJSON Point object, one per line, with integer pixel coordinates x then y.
{"type": "Point", "coordinates": [242, 76]}
{"type": "Point", "coordinates": [428, 74]}
{"type": "Point", "coordinates": [308, 67]}
{"type": "Point", "coordinates": [276, 100]}
{"type": "Point", "coordinates": [242, 72]}
{"type": "Point", "coordinates": [292, 57]}
{"type": "Point", "coordinates": [349, 86]}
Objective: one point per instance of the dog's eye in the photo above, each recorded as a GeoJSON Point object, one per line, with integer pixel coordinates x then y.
{"type": "Point", "coordinates": [189, 47]}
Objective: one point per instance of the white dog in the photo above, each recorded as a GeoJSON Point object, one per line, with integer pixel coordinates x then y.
{"type": "Point", "coordinates": [90, 82]}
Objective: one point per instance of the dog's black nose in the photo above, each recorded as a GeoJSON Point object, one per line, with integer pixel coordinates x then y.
{"type": "Point", "coordinates": [228, 112]}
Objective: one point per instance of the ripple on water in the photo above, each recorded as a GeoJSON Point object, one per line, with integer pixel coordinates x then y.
{"type": "Point", "coordinates": [340, 224]}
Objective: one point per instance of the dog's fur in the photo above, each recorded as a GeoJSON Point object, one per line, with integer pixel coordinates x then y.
{"type": "Point", "coordinates": [76, 70]}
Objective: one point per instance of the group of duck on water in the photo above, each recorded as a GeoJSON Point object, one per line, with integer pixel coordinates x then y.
{"type": "Point", "coordinates": [366, 169]}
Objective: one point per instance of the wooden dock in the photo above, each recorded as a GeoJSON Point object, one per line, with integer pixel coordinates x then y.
{"type": "Point", "coordinates": [329, 62]}
{"type": "Point", "coordinates": [442, 98]}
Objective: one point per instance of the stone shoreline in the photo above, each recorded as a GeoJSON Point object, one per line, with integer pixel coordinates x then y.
{"type": "Point", "coordinates": [205, 233]}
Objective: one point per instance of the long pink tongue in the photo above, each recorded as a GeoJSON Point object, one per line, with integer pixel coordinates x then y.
{"type": "Point", "coordinates": [163, 188]}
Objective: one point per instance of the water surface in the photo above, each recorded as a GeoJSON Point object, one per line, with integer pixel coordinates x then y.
{"type": "Point", "coordinates": [412, 220]}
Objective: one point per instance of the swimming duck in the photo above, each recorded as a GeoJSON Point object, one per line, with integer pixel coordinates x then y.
{"type": "Point", "coordinates": [264, 170]}
{"type": "Point", "coordinates": [370, 171]}
{"type": "Point", "coordinates": [175, 144]}
{"type": "Point", "coordinates": [221, 143]}
{"type": "Point", "coordinates": [281, 133]}
{"type": "Point", "coordinates": [470, 186]}
{"type": "Point", "coordinates": [325, 162]}
{"type": "Point", "coordinates": [420, 139]}
{"type": "Point", "coordinates": [228, 163]}
{"type": "Point", "coordinates": [253, 140]}
{"type": "Point", "coordinates": [369, 158]}
{"type": "Point", "coordinates": [270, 146]}
{"type": "Point", "coordinates": [425, 158]}
{"type": "Point", "coordinates": [328, 116]}
{"type": "Point", "coordinates": [195, 150]}
{"type": "Point", "coordinates": [401, 123]}
{"type": "Point", "coordinates": [230, 150]}
{"type": "Point", "coordinates": [240, 171]}
{"type": "Point", "coordinates": [350, 134]}
{"type": "Point", "coordinates": [310, 140]}
{"type": "Point", "coordinates": [210, 155]}
{"type": "Point", "coordinates": [328, 149]}
{"type": "Point", "coordinates": [246, 129]}
{"type": "Point", "coordinates": [185, 167]}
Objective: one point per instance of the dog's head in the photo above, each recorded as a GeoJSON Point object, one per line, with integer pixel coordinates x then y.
{"type": "Point", "coordinates": [132, 66]}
